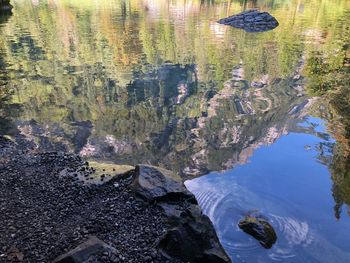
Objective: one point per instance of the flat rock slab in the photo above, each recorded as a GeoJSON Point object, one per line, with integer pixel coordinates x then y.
{"type": "Point", "coordinates": [94, 172]}
{"type": "Point", "coordinates": [251, 21]}
{"type": "Point", "coordinates": [85, 251]}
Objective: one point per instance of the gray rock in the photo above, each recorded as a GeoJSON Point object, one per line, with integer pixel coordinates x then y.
{"type": "Point", "coordinates": [260, 229]}
{"type": "Point", "coordinates": [85, 251]}
{"type": "Point", "coordinates": [154, 183]}
{"type": "Point", "coordinates": [251, 21]}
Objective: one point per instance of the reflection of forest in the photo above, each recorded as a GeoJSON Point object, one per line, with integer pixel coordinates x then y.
{"type": "Point", "coordinates": [328, 71]}
{"type": "Point", "coordinates": [4, 97]}
{"type": "Point", "coordinates": [162, 82]}
{"type": "Point", "coordinates": [6, 108]}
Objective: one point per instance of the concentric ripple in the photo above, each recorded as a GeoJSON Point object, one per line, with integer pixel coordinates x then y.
{"type": "Point", "coordinates": [226, 205]}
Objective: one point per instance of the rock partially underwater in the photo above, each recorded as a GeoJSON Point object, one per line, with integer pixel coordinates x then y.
{"type": "Point", "coordinates": [191, 236]}
{"type": "Point", "coordinates": [251, 21]}
{"type": "Point", "coordinates": [260, 229]}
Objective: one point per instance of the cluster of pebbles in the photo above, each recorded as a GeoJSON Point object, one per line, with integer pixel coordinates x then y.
{"type": "Point", "coordinates": [95, 172]}
{"type": "Point", "coordinates": [86, 172]}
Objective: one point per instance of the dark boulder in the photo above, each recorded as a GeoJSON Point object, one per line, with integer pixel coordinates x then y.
{"type": "Point", "coordinates": [191, 236]}
{"type": "Point", "coordinates": [260, 229]}
{"type": "Point", "coordinates": [251, 21]}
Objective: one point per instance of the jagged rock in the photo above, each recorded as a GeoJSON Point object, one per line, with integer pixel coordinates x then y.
{"type": "Point", "coordinates": [260, 229]}
{"type": "Point", "coordinates": [191, 236]}
{"type": "Point", "coordinates": [85, 251]}
{"type": "Point", "coordinates": [193, 239]}
{"type": "Point", "coordinates": [251, 21]}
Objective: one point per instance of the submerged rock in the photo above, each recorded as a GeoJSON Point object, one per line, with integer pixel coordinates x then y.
{"type": "Point", "coordinates": [191, 236]}
{"type": "Point", "coordinates": [251, 21]}
{"type": "Point", "coordinates": [260, 229]}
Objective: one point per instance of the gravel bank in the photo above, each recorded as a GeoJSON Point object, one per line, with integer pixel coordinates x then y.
{"type": "Point", "coordinates": [43, 215]}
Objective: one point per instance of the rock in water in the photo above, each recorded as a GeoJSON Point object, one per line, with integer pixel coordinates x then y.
{"type": "Point", "coordinates": [191, 236]}
{"type": "Point", "coordinates": [260, 229]}
{"type": "Point", "coordinates": [251, 21]}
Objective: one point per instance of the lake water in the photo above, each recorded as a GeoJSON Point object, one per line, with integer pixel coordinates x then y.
{"type": "Point", "coordinates": [161, 82]}
{"type": "Point", "coordinates": [289, 183]}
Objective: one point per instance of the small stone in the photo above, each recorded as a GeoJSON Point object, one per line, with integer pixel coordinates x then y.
{"type": "Point", "coordinates": [260, 229]}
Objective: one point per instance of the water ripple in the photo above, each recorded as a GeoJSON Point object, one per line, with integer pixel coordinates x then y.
{"type": "Point", "coordinates": [227, 208]}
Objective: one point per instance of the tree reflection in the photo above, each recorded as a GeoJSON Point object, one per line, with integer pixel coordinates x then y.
{"type": "Point", "coordinates": [328, 71]}
{"type": "Point", "coordinates": [7, 109]}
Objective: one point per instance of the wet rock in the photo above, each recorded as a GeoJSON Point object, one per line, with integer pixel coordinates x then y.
{"type": "Point", "coordinates": [85, 251]}
{"type": "Point", "coordinates": [193, 239]}
{"type": "Point", "coordinates": [251, 21]}
{"type": "Point", "coordinates": [260, 229]}
{"type": "Point", "coordinates": [191, 236]}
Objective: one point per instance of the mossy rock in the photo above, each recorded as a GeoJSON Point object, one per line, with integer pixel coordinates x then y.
{"type": "Point", "coordinates": [260, 229]}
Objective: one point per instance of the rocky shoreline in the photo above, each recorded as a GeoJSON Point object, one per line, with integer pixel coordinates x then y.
{"type": "Point", "coordinates": [143, 215]}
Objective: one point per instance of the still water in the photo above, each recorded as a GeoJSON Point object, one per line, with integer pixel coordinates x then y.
{"type": "Point", "coordinates": [289, 183]}
{"type": "Point", "coordinates": [161, 82]}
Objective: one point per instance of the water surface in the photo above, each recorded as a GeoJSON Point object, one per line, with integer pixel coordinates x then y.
{"type": "Point", "coordinates": [161, 82]}
{"type": "Point", "coordinates": [289, 183]}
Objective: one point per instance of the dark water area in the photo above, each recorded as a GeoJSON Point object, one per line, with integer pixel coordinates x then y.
{"type": "Point", "coordinates": [263, 118]}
